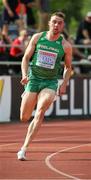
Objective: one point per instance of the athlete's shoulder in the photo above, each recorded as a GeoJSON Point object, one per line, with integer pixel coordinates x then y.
{"type": "Point", "coordinates": [36, 36]}
{"type": "Point", "coordinates": [66, 45]}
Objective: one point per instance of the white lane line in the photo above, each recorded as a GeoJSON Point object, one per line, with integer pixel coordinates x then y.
{"type": "Point", "coordinates": [34, 179]}
{"type": "Point", "coordinates": [39, 140]}
{"type": "Point", "coordinates": [49, 157]}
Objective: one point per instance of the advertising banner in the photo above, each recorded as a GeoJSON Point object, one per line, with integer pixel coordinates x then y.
{"type": "Point", "coordinates": [75, 103]}
{"type": "Point", "coordinates": [5, 98]}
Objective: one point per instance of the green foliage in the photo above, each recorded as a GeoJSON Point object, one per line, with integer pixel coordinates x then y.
{"type": "Point", "coordinates": [86, 7]}
{"type": "Point", "coordinates": [74, 10]}
{"type": "Point", "coordinates": [1, 6]}
{"type": "Point", "coordinates": [71, 8]}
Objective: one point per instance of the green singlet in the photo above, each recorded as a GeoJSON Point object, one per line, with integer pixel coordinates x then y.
{"type": "Point", "coordinates": [45, 64]}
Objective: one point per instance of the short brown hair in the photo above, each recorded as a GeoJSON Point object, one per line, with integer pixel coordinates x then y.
{"type": "Point", "coordinates": [59, 14]}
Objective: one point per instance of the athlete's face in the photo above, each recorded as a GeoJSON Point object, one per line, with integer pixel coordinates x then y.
{"type": "Point", "coordinates": [56, 24]}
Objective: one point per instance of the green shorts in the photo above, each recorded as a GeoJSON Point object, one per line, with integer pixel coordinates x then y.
{"type": "Point", "coordinates": [37, 84]}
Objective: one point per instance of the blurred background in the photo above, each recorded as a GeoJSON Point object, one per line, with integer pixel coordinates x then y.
{"type": "Point", "coordinates": [74, 10]}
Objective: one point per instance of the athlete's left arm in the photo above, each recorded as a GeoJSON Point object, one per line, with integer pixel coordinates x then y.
{"type": "Point", "coordinates": [67, 66]}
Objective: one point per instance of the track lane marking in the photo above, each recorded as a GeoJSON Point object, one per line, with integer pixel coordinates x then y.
{"type": "Point", "coordinates": [49, 165]}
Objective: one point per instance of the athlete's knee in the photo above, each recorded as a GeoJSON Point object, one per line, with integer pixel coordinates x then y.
{"type": "Point", "coordinates": [24, 117]}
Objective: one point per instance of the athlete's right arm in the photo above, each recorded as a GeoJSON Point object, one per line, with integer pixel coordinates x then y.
{"type": "Point", "coordinates": [27, 56]}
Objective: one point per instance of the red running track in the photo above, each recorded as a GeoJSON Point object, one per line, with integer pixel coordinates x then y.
{"type": "Point", "coordinates": [61, 150]}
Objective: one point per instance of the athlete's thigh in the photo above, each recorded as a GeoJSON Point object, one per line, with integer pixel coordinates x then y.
{"type": "Point", "coordinates": [28, 103]}
{"type": "Point", "coordinates": [45, 98]}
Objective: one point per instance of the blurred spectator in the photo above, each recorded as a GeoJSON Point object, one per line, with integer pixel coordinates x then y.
{"type": "Point", "coordinates": [83, 37]}
{"type": "Point", "coordinates": [2, 45]}
{"type": "Point", "coordinates": [3, 55]}
{"type": "Point", "coordinates": [10, 15]}
{"type": "Point", "coordinates": [77, 54]}
{"type": "Point", "coordinates": [17, 49]}
{"type": "Point", "coordinates": [21, 11]}
{"type": "Point", "coordinates": [43, 14]}
{"type": "Point", "coordinates": [84, 31]}
{"type": "Point", "coordinates": [29, 5]}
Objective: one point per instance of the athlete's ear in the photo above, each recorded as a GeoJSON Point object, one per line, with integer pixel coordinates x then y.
{"type": "Point", "coordinates": [62, 26]}
{"type": "Point", "coordinates": [48, 23]}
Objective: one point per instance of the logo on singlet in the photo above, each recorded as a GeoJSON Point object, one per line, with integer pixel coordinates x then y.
{"type": "Point", "coordinates": [58, 42]}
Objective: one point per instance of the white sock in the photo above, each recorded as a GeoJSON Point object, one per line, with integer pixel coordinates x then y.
{"type": "Point", "coordinates": [23, 149]}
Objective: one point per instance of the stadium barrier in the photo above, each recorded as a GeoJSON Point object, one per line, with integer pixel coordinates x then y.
{"type": "Point", "coordinates": [75, 104]}
{"type": "Point", "coordinates": [83, 62]}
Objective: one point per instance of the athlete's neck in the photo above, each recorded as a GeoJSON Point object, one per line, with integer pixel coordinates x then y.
{"type": "Point", "coordinates": [51, 36]}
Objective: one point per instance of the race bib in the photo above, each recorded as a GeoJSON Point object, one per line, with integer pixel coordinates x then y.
{"type": "Point", "coordinates": [46, 59]}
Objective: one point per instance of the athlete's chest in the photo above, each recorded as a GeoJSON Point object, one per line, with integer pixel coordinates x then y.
{"type": "Point", "coordinates": [51, 46]}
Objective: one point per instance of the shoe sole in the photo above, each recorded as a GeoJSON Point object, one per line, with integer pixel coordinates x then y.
{"type": "Point", "coordinates": [21, 159]}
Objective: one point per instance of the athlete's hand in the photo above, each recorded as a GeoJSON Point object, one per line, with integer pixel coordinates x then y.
{"type": "Point", "coordinates": [24, 80]}
{"type": "Point", "coordinates": [62, 89]}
